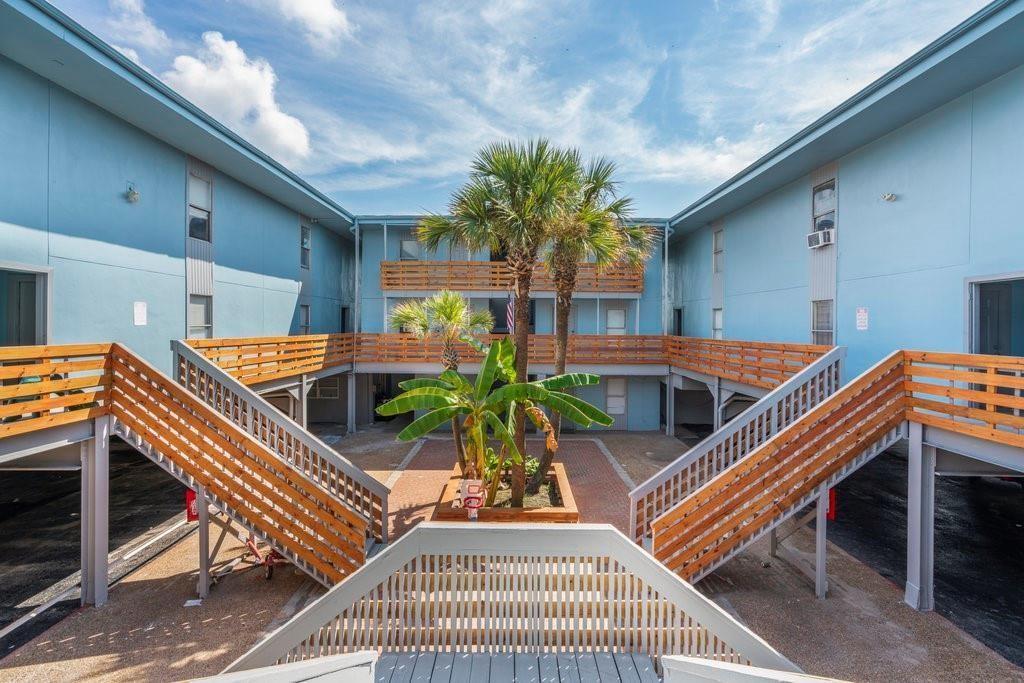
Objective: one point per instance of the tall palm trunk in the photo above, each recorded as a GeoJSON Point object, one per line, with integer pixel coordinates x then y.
{"type": "Point", "coordinates": [565, 284]}
{"type": "Point", "coordinates": [522, 277]}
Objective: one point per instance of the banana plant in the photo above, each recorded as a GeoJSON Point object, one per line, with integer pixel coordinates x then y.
{"type": "Point", "coordinates": [488, 412]}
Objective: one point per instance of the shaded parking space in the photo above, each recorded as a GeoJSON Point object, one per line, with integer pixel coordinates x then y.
{"type": "Point", "coordinates": [979, 545]}
{"type": "Point", "coordinates": [40, 533]}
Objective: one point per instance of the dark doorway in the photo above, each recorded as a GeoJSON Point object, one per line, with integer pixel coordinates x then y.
{"type": "Point", "coordinates": [999, 318]}
{"type": "Point", "coordinates": [677, 322]}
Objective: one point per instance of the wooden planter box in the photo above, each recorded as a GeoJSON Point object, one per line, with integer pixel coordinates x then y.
{"type": "Point", "coordinates": [567, 513]}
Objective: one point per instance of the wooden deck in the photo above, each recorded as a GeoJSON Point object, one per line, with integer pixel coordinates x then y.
{"type": "Point", "coordinates": [494, 276]}
{"type": "Point", "coordinates": [544, 668]}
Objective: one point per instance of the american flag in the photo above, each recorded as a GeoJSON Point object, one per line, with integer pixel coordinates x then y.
{"type": "Point", "coordinates": [510, 314]}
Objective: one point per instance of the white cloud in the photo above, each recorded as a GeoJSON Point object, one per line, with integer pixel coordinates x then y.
{"type": "Point", "coordinates": [240, 92]}
{"type": "Point", "coordinates": [132, 26]}
{"type": "Point", "coordinates": [323, 21]}
{"type": "Point", "coordinates": [129, 53]}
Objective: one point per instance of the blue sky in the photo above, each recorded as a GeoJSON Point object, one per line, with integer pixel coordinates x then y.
{"type": "Point", "coordinates": [382, 104]}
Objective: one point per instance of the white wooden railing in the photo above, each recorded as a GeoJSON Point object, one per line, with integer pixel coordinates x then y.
{"type": "Point", "coordinates": [258, 417]}
{"type": "Point", "coordinates": [500, 588]}
{"type": "Point", "coordinates": [748, 430]}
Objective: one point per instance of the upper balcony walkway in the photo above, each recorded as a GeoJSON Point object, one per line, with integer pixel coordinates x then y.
{"type": "Point", "coordinates": [415, 277]}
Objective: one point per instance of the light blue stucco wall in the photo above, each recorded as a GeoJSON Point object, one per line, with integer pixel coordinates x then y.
{"type": "Point", "coordinates": [66, 167]}
{"type": "Point", "coordinates": [956, 173]}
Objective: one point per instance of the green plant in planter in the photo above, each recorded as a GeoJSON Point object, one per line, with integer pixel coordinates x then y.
{"type": "Point", "coordinates": [488, 413]}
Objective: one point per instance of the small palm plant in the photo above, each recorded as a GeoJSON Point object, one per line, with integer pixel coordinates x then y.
{"type": "Point", "coordinates": [447, 316]}
{"type": "Point", "coordinates": [489, 413]}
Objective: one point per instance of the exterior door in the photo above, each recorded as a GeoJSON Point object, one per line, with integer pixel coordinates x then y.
{"type": "Point", "coordinates": [995, 318]}
{"type": "Point", "coordinates": [21, 310]}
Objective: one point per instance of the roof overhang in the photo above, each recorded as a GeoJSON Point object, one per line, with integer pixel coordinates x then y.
{"type": "Point", "coordinates": [43, 39]}
{"type": "Point", "coordinates": [985, 46]}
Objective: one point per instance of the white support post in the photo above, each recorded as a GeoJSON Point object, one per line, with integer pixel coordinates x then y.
{"type": "Point", "coordinates": [95, 513]}
{"type": "Point", "coordinates": [203, 510]}
{"type": "Point", "coordinates": [350, 387]}
{"type": "Point", "coordinates": [920, 521]}
{"type": "Point", "coordinates": [670, 407]}
{"type": "Point", "coordinates": [302, 405]}
{"type": "Point", "coordinates": [716, 393]}
{"type": "Point", "coordinates": [773, 543]}
{"type": "Point", "coordinates": [820, 549]}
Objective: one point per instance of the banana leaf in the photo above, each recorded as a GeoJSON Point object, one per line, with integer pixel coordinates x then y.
{"type": "Point", "coordinates": [571, 379]}
{"type": "Point", "coordinates": [424, 382]}
{"type": "Point", "coordinates": [504, 436]}
{"type": "Point", "coordinates": [418, 399]}
{"type": "Point", "coordinates": [591, 412]}
{"type": "Point", "coordinates": [428, 423]}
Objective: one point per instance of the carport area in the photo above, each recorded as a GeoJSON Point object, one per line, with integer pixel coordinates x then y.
{"type": "Point", "coordinates": [41, 535]}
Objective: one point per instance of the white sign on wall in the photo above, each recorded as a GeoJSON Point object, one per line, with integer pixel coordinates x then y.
{"type": "Point", "coordinates": [862, 318]}
{"type": "Point", "coordinates": [139, 311]}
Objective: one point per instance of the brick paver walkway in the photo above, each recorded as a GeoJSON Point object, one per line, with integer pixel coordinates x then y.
{"type": "Point", "coordinates": [601, 495]}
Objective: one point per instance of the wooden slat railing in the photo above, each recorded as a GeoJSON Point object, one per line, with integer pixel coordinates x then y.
{"type": "Point", "coordinates": [741, 435]}
{"type": "Point", "coordinates": [253, 360]}
{"type": "Point", "coordinates": [254, 484]}
{"type": "Point", "coordinates": [747, 497]}
{"type": "Point", "coordinates": [759, 364]}
{"type": "Point", "coordinates": [49, 386]}
{"type": "Point", "coordinates": [294, 444]}
{"type": "Point", "coordinates": [506, 588]}
{"type": "Point", "coordinates": [975, 395]}
{"type": "Point", "coordinates": [494, 276]}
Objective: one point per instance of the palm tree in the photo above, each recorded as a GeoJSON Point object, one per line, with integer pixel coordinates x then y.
{"type": "Point", "coordinates": [448, 316]}
{"type": "Point", "coordinates": [515, 191]}
{"type": "Point", "coordinates": [592, 226]}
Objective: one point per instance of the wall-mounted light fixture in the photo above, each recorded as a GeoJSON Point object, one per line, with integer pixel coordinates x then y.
{"type": "Point", "coordinates": [889, 197]}
{"type": "Point", "coordinates": [131, 194]}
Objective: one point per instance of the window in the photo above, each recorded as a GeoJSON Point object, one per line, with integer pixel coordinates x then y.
{"type": "Point", "coordinates": [615, 321]}
{"type": "Point", "coordinates": [718, 247]}
{"type": "Point", "coordinates": [677, 322]}
{"type": "Point", "coordinates": [343, 322]}
{"type": "Point", "coordinates": [822, 328]}
{"type": "Point", "coordinates": [717, 326]}
{"type": "Point", "coordinates": [305, 245]}
{"type": "Point", "coordinates": [326, 388]}
{"type": "Point", "coordinates": [200, 207]}
{"type": "Point", "coordinates": [200, 316]}
{"type": "Point", "coordinates": [615, 396]}
{"type": "Point", "coordinates": [824, 206]}
{"type": "Point", "coordinates": [410, 250]}
{"type": "Point", "coordinates": [304, 319]}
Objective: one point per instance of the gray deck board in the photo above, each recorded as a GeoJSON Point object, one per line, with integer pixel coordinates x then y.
{"type": "Point", "coordinates": [442, 672]}
{"type": "Point", "coordinates": [527, 668]}
{"type": "Point", "coordinates": [462, 668]}
{"type": "Point", "coordinates": [645, 668]}
{"type": "Point", "coordinates": [428, 666]}
{"type": "Point", "coordinates": [424, 667]}
{"type": "Point", "coordinates": [548, 665]}
{"type": "Point", "coordinates": [627, 669]}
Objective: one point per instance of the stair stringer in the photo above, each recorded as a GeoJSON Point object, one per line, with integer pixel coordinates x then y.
{"type": "Point", "coordinates": [888, 440]}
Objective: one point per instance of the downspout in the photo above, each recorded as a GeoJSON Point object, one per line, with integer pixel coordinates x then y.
{"type": "Point", "coordinates": [665, 313]}
{"type": "Point", "coordinates": [357, 318]}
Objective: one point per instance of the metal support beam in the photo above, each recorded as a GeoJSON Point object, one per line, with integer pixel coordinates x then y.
{"type": "Point", "coordinates": [350, 386]}
{"type": "Point", "coordinates": [920, 521]}
{"type": "Point", "coordinates": [203, 510]}
{"type": "Point", "coordinates": [95, 513]}
{"type": "Point", "coordinates": [773, 543]}
{"type": "Point", "coordinates": [670, 407]}
{"type": "Point", "coordinates": [820, 549]}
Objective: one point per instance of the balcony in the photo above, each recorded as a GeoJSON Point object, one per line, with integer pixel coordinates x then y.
{"type": "Point", "coordinates": [493, 276]}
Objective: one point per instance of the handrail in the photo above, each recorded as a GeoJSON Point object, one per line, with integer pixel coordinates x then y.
{"type": "Point", "coordinates": [734, 440]}
{"type": "Point", "coordinates": [257, 417]}
{"type": "Point", "coordinates": [416, 276]}
{"type": "Point", "coordinates": [744, 498]}
{"type": "Point", "coordinates": [241, 475]}
{"type": "Point", "coordinates": [514, 588]}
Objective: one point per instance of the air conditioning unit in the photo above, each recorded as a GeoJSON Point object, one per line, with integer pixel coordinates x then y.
{"type": "Point", "coordinates": [820, 238]}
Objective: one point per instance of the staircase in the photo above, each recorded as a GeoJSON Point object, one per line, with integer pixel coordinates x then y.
{"type": "Point", "coordinates": [254, 486]}
{"type": "Point", "coordinates": [782, 406]}
{"type": "Point", "coordinates": [970, 395]}
{"type": "Point", "coordinates": [222, 389]}
{"type": "Point", "coordinates": [306, 506]}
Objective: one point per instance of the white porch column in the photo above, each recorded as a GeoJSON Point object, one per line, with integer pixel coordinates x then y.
{"type": "Point", "coordinates": [920, 521]}
{"type": "Point", "coordinates": [670, 406]}
{"type": "Point", "coordinates": [203, 510]}
{"type": "Point", "coordinates": [95, 512]}
{"type": "Point", "coordinates": [350, 387]}
{"type": "Point", "coordinates": [820, 548]}
{"type": "Point", "coordinates": [301, 407]}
